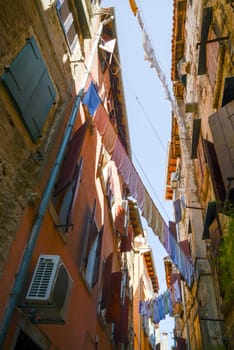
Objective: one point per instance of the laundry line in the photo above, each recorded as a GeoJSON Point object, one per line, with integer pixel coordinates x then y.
{"type": "Point", "coordinates": [134, 183]}
{"type": "Point", "coordinates": [151, 57]}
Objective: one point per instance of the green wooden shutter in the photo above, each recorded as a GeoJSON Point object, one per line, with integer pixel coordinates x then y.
{"type": "Point", "coordinates": [29, 85]}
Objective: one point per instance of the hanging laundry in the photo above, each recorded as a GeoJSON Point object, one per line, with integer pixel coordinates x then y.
{"type": "Point", "coordinates": [91, 99]}
{"type": "Point", "coordinates": [177, 292]}
{"type": "Point", "coordinates": [101, 119]}
{"type": "Point", "coordinates": [137, 190]}
{"type": "Point", "coordinates": [133, 6]}
{"type": "Point", "coordinates": [157, 308]}
{"type": "Point", "coordinates": [154, 63]}
{"type": "Point", "coordinates": [108, 45]}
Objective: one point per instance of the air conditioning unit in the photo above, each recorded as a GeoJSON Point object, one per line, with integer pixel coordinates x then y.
{"type": "Point", "coordinates": [50, 288]}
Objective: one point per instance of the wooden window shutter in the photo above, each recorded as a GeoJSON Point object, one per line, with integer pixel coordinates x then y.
{"type": "Point", "coordinates": [30, 87]}
{"type": "Point", "coordinates": [126, 242]}
{"type": "Point", "coordinates": [215, 172]}
{"type": "Point", "coordinates": [87, 238]}
{"type": "Point", "coordinates": [222, 128]}
{"type": "Point", "coordinates": [212, 51]}
{"type": "Point", "coordinates": [70, 160]}
{"type": "Point", "coordinates": [66, 207]}
{"type": "Point", "coordinates": [106, 284]}
{"type": "Point", "coordinates": [114, 303]}
{"type": "Point", "coordinates": [195, 137]}
{"type": "Point", "coordinates": [206, 21]}
{"type": "Point", "coordinates": [121, 327]}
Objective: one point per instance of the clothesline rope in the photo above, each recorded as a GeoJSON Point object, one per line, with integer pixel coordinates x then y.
{"type": "Point", "coordinates": [153, 129]}
{"type": "Point", "coordinates": [152, 57]}
{"type": "Point", "coordinates": [135, 185]}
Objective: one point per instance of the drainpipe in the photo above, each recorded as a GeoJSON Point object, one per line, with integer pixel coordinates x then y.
{"type": "Point", "coordinates": [22, 272]}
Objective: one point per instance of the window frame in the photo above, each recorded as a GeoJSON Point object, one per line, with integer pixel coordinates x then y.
{"type": "Point", "coordinates": [91, 250]}
{"type": "Point", "coordinates": [67, 25]}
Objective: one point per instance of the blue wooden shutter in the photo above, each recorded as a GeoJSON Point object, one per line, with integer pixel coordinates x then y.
{"type": "Point", "coordinates": [30, 88]}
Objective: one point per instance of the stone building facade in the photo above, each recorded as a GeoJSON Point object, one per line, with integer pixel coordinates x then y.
{"type": "Point", "coordinates": [201, 166]}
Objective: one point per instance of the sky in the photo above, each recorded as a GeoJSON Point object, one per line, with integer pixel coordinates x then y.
{"type": "Point", "coordinates": [148, 110]}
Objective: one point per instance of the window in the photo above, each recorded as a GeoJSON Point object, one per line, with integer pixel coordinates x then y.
{"type": "Point", "coordinates": [211, 228]}
{"type": "Point", "coordinates": [83, 9]}
{"type": "Point", "coordinates": [68, 181]}
{"type": "Point", "coordinates": [68, 25]}
{"type": "Point", "coordinates": [91, 250]}
{"type": "Point", "coordinates": [228, 91]}
{"type": "Point", "coordinates": [29, 85]}
{"type": "Point", "coordinates": [106, 178]}
{"type": "Point", "coordinates": [212, 57]}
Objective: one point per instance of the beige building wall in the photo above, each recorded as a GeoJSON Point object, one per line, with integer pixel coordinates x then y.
{"type": "Point", "coordinates": [198, 96]}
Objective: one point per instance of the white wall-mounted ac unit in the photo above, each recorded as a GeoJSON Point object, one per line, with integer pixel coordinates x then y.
{"type": "Point", "coordinates": [50, 288]}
